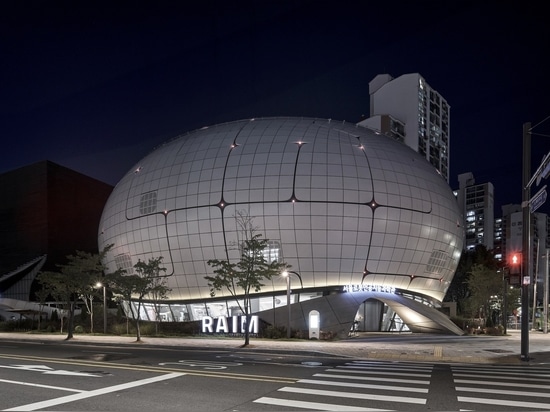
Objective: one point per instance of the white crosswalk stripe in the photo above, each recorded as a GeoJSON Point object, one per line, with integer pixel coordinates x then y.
{"type": "Point", "coordinates": [504, 387]}
{"type": "Point", "coordinates": [393, 386]}
{"type": "Point", "coordinates": [358, 386]}
{"type": "Point", "coordinates": [315, 405]}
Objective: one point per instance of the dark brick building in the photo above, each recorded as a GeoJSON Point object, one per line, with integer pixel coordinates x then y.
{"type": "Point", "coordinates": [47, 212]}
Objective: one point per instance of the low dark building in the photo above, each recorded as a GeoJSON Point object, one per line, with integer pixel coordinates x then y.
{"type": "Point", "coordinates": [47, 212]}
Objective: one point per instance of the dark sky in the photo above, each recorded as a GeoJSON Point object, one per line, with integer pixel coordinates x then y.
{"type": "Point", "coordinates": [95, 86]}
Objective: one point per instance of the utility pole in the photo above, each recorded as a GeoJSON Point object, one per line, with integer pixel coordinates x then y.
{"type": "Point", "coordinates": [529, 205]}
{"type": "Point", "coordinates": [526, 242]}
{"type": "Point", "coordinates": [504, 300]}
{"type": "Point", "coordinates": [545, 312]}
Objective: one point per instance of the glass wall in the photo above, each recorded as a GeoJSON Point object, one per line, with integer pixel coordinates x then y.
{"type": "Point", "coordinates": [179, 312]}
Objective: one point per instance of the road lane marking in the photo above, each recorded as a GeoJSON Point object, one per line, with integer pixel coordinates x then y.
{"type": "Point", "coordinates": [364, 370]}
{"type": "Point", "coordinates": [371, 378]}
{"type": "Point", "coordinates": [89, 394]}
{"type": "Point", "coordinates": [363, 386]}
{"type": "Point", "coordinates": [48, 371]}
{"type": "Point", "coordinates": [317, 406]}
{"type": "Point", "coordinates": [37, 385]}
{"type": "Point", "coordinates": [353, 395]}
{"type": "Point", "coordinates": [502, 391]}
{"type": "Point", "coordinates": [505, 402]}
{"type": "Point", "coordinates": [203, 364]}
{"type": "Point", "coordinates": [125, 366]}
{"type": "Point", "coordinates": [511, 384]}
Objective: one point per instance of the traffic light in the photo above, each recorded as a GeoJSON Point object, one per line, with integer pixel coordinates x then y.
{"type": "Point", "coordinates": [515, 263]}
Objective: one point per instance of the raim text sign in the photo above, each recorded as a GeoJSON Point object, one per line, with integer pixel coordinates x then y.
{"type": "Point", "coordinates": [234, 324]}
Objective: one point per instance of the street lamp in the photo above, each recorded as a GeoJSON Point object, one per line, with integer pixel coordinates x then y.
{"type": "Point", "coordinates": [99, 285]}
{"type": "Point", "coordinates": [286, 275]}
{"type": "Point", "coordinates": [504, 299]}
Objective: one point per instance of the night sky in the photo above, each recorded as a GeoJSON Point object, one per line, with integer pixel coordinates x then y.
{"type": "Point", "coordinates": [95, 86]}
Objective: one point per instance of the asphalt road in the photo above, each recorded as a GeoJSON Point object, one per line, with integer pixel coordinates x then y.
{"type": "Point", "coordinates": [48, 376]}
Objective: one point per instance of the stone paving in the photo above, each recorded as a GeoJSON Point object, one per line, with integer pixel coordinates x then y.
{"type": "Point", "coordinates": [431, 348]}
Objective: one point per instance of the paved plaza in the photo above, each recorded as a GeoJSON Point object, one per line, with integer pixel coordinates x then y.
{"type": "Point", "coordinates": [409, 347]}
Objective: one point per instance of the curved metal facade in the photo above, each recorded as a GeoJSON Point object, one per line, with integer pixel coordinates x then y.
{"type": "Point", "coordinates": [339, 203]}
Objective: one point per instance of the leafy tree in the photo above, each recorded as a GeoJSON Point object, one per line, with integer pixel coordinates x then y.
{"type": "Point", "coordinates": [246, 275]}
{"type": "Point", "coordinates": [136, 286]}
{"type": "Point", "coordinates": [88, 294]}
{"type": "Point", "coordinates": [513, 301]}
{"type": "Point", "coordinates": [73, 280]}
{"type": "Point", "coordinates": [485, 286]}
{"type": "Point", "coordinates": [41, 296]}
{"type": "Point", "coordinates": [52, 284]}
{"type": "Point", "coordinates": [459, 289]}
{"type": "Point", "coordinates": [158, 294]}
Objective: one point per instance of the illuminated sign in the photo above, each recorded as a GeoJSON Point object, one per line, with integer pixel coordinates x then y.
{"type": "Point", "coordinates": [314, 321]}
{"type": "Point", "coordinates": [369, 288]}
{"type": "Point", "coordinates": [234, 324]}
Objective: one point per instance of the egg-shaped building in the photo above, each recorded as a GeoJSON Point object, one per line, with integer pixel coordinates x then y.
{"type": "Point", "coordinates": [347, 208]}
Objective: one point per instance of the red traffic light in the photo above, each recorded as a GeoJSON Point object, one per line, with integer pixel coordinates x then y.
{"type": "Point", "coordinates": [515, 263]}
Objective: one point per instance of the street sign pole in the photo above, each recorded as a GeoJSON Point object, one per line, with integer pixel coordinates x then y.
{"type": "Point", "coordinates": [538, 200]}
{"type": "Point", "coordinates": [526, 242]}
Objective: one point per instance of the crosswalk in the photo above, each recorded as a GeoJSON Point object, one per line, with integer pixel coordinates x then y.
{"type": "Point", "coordinates": [396, 386]}
{"type": "Point", "coordinates": [349, 387]}
{"type": "Point", "coordinates": [503, 387]}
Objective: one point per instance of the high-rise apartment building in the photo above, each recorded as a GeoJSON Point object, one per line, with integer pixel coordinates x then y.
{"type": "Point", "coordinates": [408, 109]}
{"type": "Point", "coordinates": [512, 218]}
{"type": "Point", "coordinates": [477, 203]}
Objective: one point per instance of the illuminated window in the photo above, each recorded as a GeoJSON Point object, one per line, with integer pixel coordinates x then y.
{"type": "Point", "coordinates": [272, 251]}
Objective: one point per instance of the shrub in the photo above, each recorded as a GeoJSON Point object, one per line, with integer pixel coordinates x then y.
{"type": "Point", "coordinates": [147, 328]}
{"type": "Point", "coordinates": [494, 331]}
{"type": "Point", "coordinates": [122, 329]}
{"type": "Point", "coordinates": [274, 332]}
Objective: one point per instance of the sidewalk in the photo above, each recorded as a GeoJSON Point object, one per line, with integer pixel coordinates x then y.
{"type": "Point", "coordinates": [479, 349]}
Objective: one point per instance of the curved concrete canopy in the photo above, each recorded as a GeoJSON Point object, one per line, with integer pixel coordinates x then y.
{"type": "Point", "coordinates": [337, 313]}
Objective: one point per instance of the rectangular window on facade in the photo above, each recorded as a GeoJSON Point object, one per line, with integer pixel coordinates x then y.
{"type": "Point", "coordinates": [123, 261]}
{"type": "Point", "coordinates": [148, 203]}
{"type": "Point", "coordinates": [439, 261]}
{"type": "Point", "coordinates": [272, 251]}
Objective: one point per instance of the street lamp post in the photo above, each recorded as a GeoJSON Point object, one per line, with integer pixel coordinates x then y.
{"type": "Point", "coordinates": [286, 275]}
{"type": "Point", "coordinates": [99, 285]}
{"type": "Point", "coordinates": [104, 310]}
{"type": "Point", "coordinates": [504, 300]}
